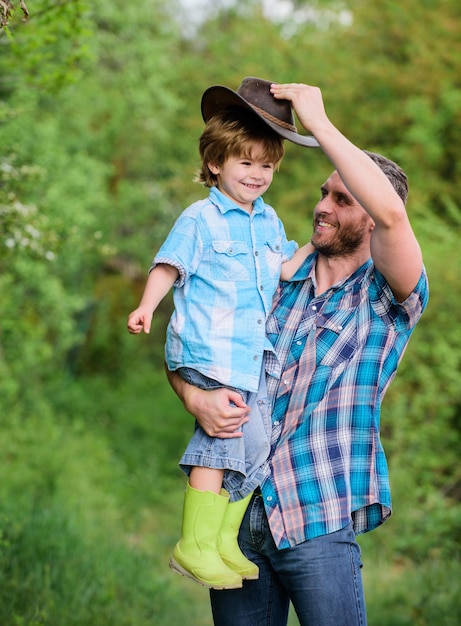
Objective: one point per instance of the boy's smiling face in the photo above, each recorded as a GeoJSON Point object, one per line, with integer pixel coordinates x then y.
{"type": "Point", "coordinates": [243, 179]}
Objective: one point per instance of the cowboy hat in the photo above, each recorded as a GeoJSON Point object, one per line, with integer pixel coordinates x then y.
{"type": "Point", "coordinates": [254, 94]}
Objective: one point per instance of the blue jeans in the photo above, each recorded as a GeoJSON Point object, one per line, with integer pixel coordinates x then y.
{"type": "Point", "coordinates": [321, 577]}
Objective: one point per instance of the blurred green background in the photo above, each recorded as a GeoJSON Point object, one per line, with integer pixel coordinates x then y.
{"type": "Point", "coordinates": [99, 127]}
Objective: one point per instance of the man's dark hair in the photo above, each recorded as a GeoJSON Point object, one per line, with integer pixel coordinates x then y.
{"type": "Point", "coordinates": [394, 173]}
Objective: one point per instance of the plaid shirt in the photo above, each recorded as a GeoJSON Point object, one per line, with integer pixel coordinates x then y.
{"type": "Point", "coordinates": [336, 355]}
{"type": "Point", "coordinates": [229, 264]}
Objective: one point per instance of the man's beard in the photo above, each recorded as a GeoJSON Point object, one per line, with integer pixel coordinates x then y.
{"type": "Point", "coordinates": [341, 244]}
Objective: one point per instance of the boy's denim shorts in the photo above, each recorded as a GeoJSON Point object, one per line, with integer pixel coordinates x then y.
{"type": "Point", "coordinates": [196, 378]}
{"type": "Point", "coordinates": [240, 457]}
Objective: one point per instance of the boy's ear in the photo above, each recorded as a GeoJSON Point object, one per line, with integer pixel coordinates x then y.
{"type": "Point", "coordinates": [214, 169]}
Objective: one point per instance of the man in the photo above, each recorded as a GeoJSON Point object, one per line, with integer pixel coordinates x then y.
{"type": "Point", "coordinates": [339, 329]}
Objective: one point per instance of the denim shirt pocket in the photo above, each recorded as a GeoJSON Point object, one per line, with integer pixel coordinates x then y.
{"type": "Point", "coordinates": [273, 252]}
{"type": "Point", "coordinates": [230, 260]}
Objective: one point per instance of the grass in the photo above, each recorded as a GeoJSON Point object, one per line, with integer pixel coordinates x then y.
{"type": "Point", "coordinates": [90, 509]}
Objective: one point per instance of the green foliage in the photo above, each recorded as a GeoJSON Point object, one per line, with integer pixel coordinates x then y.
{"type": "Point", "coordinates": [84, 530]}
{"type": "Point", "coordinates": [99, 119]}
{"type": "Point", "coordinates": [47, 49]}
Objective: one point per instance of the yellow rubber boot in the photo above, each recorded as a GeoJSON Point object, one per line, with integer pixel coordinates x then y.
{"type": "Point", "coordinates": [196, 553]}
{"type": "Point", "coordinates": [228, 547]}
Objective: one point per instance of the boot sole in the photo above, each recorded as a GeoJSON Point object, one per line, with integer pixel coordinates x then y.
{"type": "Point", "coordinates": [177, 569]}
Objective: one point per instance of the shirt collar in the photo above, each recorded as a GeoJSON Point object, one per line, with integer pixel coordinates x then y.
{"type": "Point", "coordinates": [306, 271]}
{"type": "Point", "coordinates": [225, 204]}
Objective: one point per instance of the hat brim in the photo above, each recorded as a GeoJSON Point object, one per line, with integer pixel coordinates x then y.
{"type": "Point", "coordinates": [218, 98]}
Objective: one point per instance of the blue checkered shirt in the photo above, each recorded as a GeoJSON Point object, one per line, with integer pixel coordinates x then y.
{"type": "Point", "coordinates": [337, 353]}
{"type": "Point", "coordinates": [229, 264]}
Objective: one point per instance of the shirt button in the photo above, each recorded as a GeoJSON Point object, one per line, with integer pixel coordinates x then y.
{"type": "Point", "coordinates": [269, 498]}
{"type": "Point", "coordinates": [231, 250]}
{"type": "Point", "coordinates": [256, 253]}
{"type": "Point", "coordinates": [285, 382]}
{"type": "Point", "coordinates": [276, 423]}
{"type": "Point", "coordinates": [255, 358]}
{"type": "Point", "coordinates": [298, 343]}
{"type": "Point", "coordinates": [314, 308]}
{"type": "Point", "coordinates": [262, 287]}
{"type": "Point", "coordinates": [260, 321]}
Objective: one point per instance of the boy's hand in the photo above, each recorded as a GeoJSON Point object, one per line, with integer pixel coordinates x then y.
{"type": "Point", "coordinates": [140, 319]}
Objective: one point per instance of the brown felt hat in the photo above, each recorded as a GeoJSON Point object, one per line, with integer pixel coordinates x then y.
{"type": "Point", "coordinates": [254, 94]}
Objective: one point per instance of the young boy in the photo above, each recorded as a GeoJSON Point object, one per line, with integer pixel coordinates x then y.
{"type": "Point", "coordinates": [224, 256]}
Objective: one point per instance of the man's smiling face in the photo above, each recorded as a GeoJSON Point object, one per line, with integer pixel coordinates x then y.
{"type": "Point", "coordinates": [341, 225]}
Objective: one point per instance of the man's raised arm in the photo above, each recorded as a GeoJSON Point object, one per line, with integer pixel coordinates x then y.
{"type": "Point", "coordinates": [394, 248]}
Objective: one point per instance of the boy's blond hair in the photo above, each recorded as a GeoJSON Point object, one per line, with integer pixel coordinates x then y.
{"type": "Point", "coordinates": [234, 132]}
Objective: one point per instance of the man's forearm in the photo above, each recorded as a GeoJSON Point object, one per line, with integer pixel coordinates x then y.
{"type": "Point", "coordinates": [220, 412]}
{"type": "Point", "coordinates": [177, 383]}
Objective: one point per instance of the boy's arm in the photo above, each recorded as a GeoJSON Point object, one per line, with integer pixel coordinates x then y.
{"type": "Point", "coordinates": [220, 412]}
{"type": "Point", "coordinates": [159, 282]}
{"type": "Point", "coordinates": [290, 267]}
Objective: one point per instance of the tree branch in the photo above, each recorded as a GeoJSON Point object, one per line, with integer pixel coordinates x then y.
{"type": "Point", "coordinates": [7, 10]}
